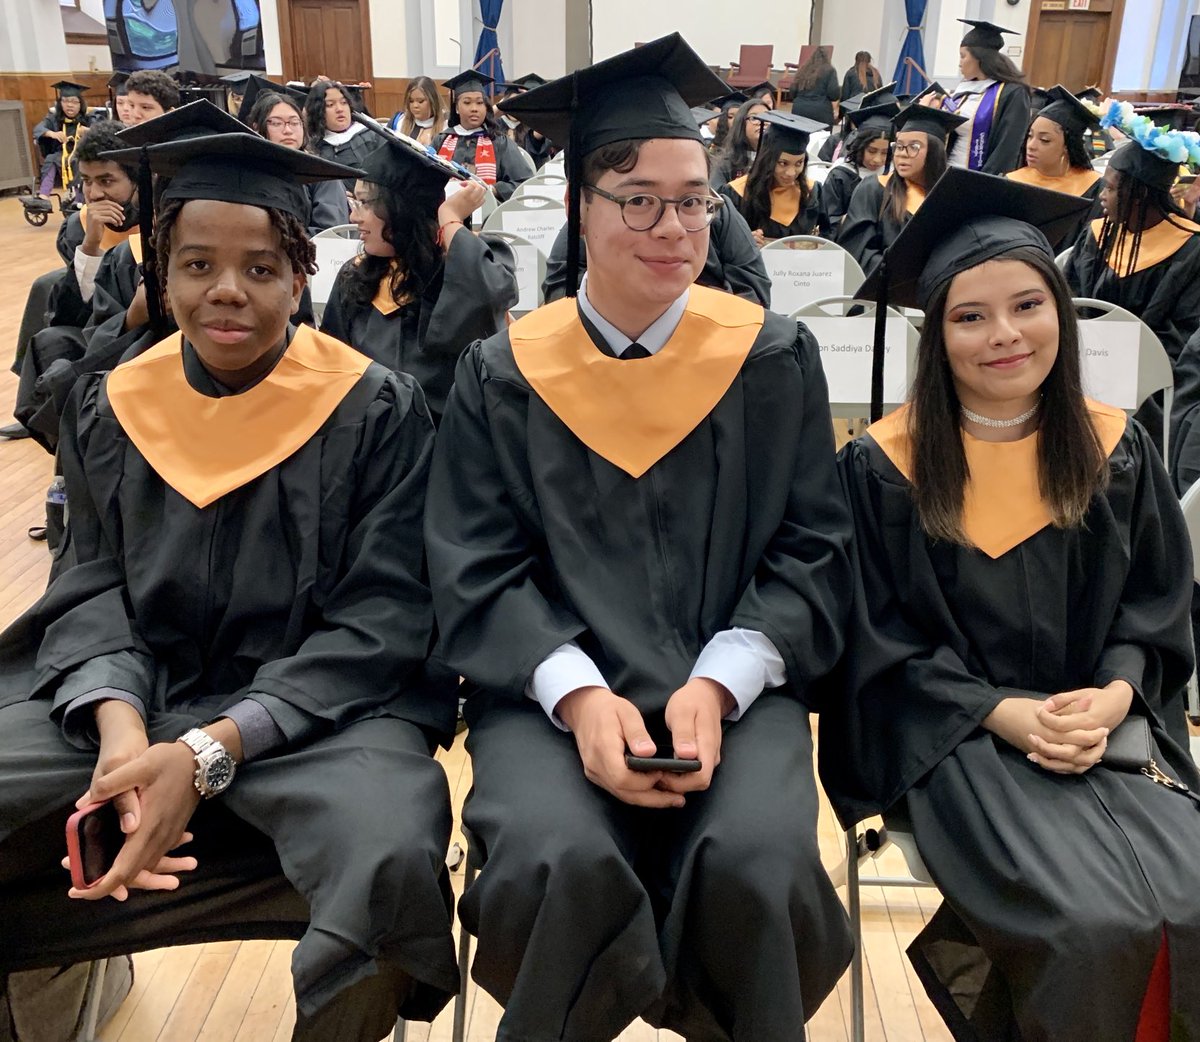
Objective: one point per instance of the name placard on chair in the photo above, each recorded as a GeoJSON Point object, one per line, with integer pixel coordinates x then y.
{"type": "Point", "coordinates": [800, 276]}
{"type": "Point", "coordinates": [1108, 357]}
{"type": "Point", "coordinates": [332, 253]}
{"type": "Point", "coordinates": [846, 351]}
{"type": "Point", "coordinates": [538, 226]}
{"type": "Point", "coordinates": [527, 276]}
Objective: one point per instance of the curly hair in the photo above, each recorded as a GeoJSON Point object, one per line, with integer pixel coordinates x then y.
{"type": "Point", "coordinates": [293, 238]}
{"type": "Point", "coordinates": [102, 137]}
{"type": "Point", "coordinates": [156, 84]}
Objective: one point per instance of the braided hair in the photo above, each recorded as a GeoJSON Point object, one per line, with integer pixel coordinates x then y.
{"type": "Point", "coordinates": [1136, 201]}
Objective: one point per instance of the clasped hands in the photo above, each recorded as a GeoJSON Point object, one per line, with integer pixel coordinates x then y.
{"type": "Point", "coordinates": [1066, 733]}
{"type": "Point", "coordinates": [605, 725]}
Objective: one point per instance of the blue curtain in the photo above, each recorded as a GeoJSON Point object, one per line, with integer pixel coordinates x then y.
{"type": "Point", "coordinates": [908, 79]}
{"type": "Point", "coordinates": [487, 54]}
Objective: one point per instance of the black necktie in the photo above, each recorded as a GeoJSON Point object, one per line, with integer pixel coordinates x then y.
{"type": "Point", "coordinates": [634, 351]}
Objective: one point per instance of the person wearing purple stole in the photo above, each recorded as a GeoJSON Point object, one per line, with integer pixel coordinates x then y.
{"type": "Point", "coordinates": [994, 99]}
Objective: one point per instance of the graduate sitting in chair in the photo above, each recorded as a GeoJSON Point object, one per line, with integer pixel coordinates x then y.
{"type": "Point", "coordinates": [638, 546]}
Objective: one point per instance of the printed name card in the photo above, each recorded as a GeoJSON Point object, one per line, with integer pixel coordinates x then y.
{"type": "Point", "coordinates": [800, 276]}
{"type": "Point", "coordinates": [539, 226]}
{"type": "Point", "coordinates": [846, 351]}
{"type": "Point", "coordinates": [527, 276]}
{"type": "Point", "coordinates": [332, 253]}
{"type": "Point", "coordinates": [1108, 357]}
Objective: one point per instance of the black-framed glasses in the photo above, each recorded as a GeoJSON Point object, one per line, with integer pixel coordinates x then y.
{"type": "Point", "coordinates": [911, 148]}
{"type": "Point", "coordinates": [642, 211]}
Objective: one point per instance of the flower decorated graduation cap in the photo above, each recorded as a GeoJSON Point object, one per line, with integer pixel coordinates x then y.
{"type": "Point", "coordinates": [644, 93]}
{"type": "Point", "coordinates": [985, 34]}
{"type": "Point", "coordinates": [967, 218]}
{"type": "Point", "coordinates": [1153, 154]}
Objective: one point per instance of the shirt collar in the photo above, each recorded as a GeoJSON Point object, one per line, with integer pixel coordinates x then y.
{"type": "Point", "coordinates": [973, 86]}
{"type": "Point", "coordinates": [461, 131]}
{"type": "Point", "coordinates": [653, 339]}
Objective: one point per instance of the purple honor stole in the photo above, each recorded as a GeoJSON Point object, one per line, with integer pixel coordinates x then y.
{"type": "Point", "coordinates": [981, 125]}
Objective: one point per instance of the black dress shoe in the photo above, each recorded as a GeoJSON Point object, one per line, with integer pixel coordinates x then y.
{"type": "Point", "coordinates": [14, 432]}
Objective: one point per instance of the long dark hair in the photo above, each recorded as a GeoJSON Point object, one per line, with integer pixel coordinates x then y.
{"type": "Point", "coordinates": [264, 103]}
{"type": "Point", "coordinates": [314, 106]}
{"type": "Point", "coordinates": [410, 227]}
{"type": "Point", "coordinates": [724, 127]}
{"type": "Point", "coordinates": [437, 108]}
{"type": "Point", "coordinates": [756, 202]}
{"type": "Point", "coordinates": [736, 153]}
{"type": "Point", "coordinates": [1136, 201]}
{"type": "Point", "coordinates": [1071, 460]}
{"type": "Point", "coordinates": [1077, 152]}
{"type": "Point", "coordinates": [491, 124]}
{"type": "Point", "coordinates": [997, 66]}
{"type": "Point", "coordinates": [813, 70]}
{"type": "Point", "coordinates": [895, 192]}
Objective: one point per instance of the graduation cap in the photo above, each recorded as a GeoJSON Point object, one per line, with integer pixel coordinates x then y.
{"type": "Point", "coordinates": [704, 115]}
{"type": "Point", "coordinates": [117, 80]}
{"type": "Point", "coordinates": [730, 101]}
{"type": "Point", "coordinates": [967, 218]}
{"type": "Point", "coordinates": [885, 95]}
{"type": "Point", "coordinates": [759, 89]}
{"type": "Point", "coordinates": [1176, 117]}
{"type": "Point", "coordinates": [415, 172]}
{"type": "Point", "coordinates": [1142, 164]}
{"type": "Point", "coordinates": [67, 89]}
{"type": "Point", "coordinates": [790, 130]}
{"type": "Point", "coordinates": [637, 95]}
{"type": "Point", "coordinates": [257, 85]}
{"type": "Point", "coordinates": [470, 82]}
{"type": "Point", "coordinates": [877, 109]}
{"type": "Point", "coordinates": [197, 119]}
{"type": "Point", "coordinates": [1063, 108]}
{"type": "Point", "coordinates": [985, 34]}
{"type": "Point", "coordinates": [526, 82]}
{"type": "Point", "coordinates": [1092, 94]}
{"type": "Point", "coordinates": [937, 122]}
{"type": "Point", "coordinates": [237, 80]}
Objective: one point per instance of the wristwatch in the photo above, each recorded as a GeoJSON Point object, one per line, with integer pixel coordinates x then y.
{"type": "Point", "coordinates": [215, 768]}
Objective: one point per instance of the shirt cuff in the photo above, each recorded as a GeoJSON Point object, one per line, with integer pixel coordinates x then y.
{"type": "Point", "coordinates": [743, 661]}
{"type": "Point", "coordinates": [567, 668]}
{"type": "Point", "coordinates": [259, 732]}
{"type": "Point", "coordinates": [86, 267]}
{"type": "Point", "coordinates": [79, 719]}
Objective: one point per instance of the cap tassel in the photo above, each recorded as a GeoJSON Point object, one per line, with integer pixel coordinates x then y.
{"type": "Point", "coordinates": [154, 306]}
{"type": "Point", "coordinates": [574, 192]}
{"type": "Point", "coordinates": [879, 348]}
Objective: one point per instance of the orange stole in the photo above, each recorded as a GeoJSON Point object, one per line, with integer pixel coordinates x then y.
{"type": "Point", "coordinates": [1158, 244]}
{"type": "Point", "coordinates": [785, 202]}
{"type": "Point", "coordinates": [204, 447]}
{"type": "Point", "coordinates": [634, 412]}
{"type": "Point", "coordinates": [1074, 182]}
{"type": "Point", "coordinates": [110, 237]}
{"type": "Point", "coordinates": [1002, 502]}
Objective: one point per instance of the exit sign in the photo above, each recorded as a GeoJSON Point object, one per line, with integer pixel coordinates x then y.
{"type": "Point", "coordinates": [1079, 5]}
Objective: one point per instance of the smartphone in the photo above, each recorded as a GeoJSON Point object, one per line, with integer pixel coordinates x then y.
{"type": "Point", "coordinates": [661, 763]}
{"type": "Point", "coordinates": [94, 839]}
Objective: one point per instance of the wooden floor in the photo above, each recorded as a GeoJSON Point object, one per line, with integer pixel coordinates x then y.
{"type": "Point", "coordinates": [242, 992]}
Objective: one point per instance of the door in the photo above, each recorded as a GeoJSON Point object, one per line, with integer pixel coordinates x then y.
{"type": "Point", "coordinates": [326, 37]}
{"type": "Point", "coordinates": [1070, 49]}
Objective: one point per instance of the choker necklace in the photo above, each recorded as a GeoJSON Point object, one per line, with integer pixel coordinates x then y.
{"type": "Point", "coordinates": [987, 421]}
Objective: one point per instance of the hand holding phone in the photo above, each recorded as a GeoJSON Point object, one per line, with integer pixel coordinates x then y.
{"type": "Point", "coordinates": [94, 839]}
{"type": "Point", "coordinates": [669, 764]}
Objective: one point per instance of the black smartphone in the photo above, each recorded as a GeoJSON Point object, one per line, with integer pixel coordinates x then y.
{"type": "Point", "coordinates": [94, 839]}
{"type": "Point", "coordinates": [669, 764]}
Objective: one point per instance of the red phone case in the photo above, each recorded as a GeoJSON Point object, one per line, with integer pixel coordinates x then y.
{"type": "Point", "coordinates": [74, 854]}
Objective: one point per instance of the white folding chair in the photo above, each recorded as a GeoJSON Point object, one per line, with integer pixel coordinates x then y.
{"type": "Point", "coordinates": [552, 186]}
{"type": "Point", "coordinates": [1062, 258]}
{"type": "Point", "coordinates": [1123, 361]}
{"type": "Point", "coordinates": [817, 172]}
{"type": "Point", "coordinates": [804, 268]}
{"type": "Point", "coordinates": [1191, 514]}
{"type": "Point", "coordinates": [335, 246]}
{"type": "Point", "coordinates": [814, 145]}
{"type": "Point", "coordinates": [526, 159]}
{"type": "Point", "coordinates": [535, 218]}
{"type": "Point", "coordinates": [338, 231]}
{"type": "Point", "coordinates": [531, 272]}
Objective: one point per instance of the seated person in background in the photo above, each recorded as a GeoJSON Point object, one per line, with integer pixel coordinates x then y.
{"type": "Point", "coordinates": [119, 105]}
{"type": "Point", "coordinates": [59, 135]}
{"type": "Point", "coordinates": [864, 155]}
{"type": "Point", "coordinates": [248, 617]}
{"type": "Point", "coordinates": [776, 197]}
{"type": "Point", "coordinates": [150, 93]}
{"type": "Point", "coordinates": [422, 116]}
{"type": "Point", "coordinates": [1056, 155]}
{"type": "Point", "coordinates": [276, 114]}
{"type": "Point", "coordinates": [539, 147]}
{"type": "Point", "coordinates": [425, 286]}
{"type": "Point", "coordinates": [734, 262]}
{"type": "Point", "coordinates": [737, 153]}
{"type": "Point", "coordinates": [1019, 653]}
{"type": "Point", "coordinates": [333, 132]}
{"type": "Point", "coordinates": [883, 204]}
{"type": "Point", "coordinates": [729, 105]}
{"type": "Point", "coordinates": [477, 141]}
{"type": "Point", "coordinates": [627, 547]}
{"type": "Point", "coordinates": [862, 77]}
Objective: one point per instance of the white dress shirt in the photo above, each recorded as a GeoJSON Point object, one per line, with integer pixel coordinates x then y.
{"type": "Point", "coordinates": [86, 267]}
{"type": "Point", "coordinates": [744, 661]}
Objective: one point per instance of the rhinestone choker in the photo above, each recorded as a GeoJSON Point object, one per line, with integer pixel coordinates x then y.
{"type": "Point", "coordinates": [987, 421]}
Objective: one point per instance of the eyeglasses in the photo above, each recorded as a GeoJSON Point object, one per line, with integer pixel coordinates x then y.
{"type": "Point", "coordinates": [276, 123]}
{"type": "Point", "coordinates": [357, 204]}
{"type": "Point", "coordinates": [642, 212]}
{"type": "Point", "coordinates": [912, 148]}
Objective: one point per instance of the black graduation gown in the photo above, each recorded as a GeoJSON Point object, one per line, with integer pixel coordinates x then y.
{"type": "Point", "coordinates": [510, 169]}
{"type": "Point", "coordinates": [805, 222]}
{"type": "Point", "coordinates": [469, 301]}
{"type": "Point", "coordinates": [1057, 888]}
{"type": "Point", "coordinates": [836, 192]}
{"type": "Point", "coordinates": [351, 153]}
{"type": "Point", "coordinates": [1010, 126]}
{"type": "Point", "coordinates": [535, 540]}
{"type": "Point", "coordinates": [329, 207]}
{"type": "Point", "coordinates": [816, 102]}
{"type": "Point", "coordinates": [734, 261]}
{"type": "Point", "coordinates": [865, 234]}
{"type": "Point", "coordinates": [304, 587]}
{"type": "Point", "coordinates": [1026, 175]}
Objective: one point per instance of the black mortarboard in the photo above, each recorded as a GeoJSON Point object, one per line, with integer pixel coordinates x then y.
{"type": "Point", "coordinates": [730, 101]}
{"type": "Point", "coordinates": [967, 218]}
{"type": "Point", "coordinates": [937, 122]}
{"type": "Point", "coordinates": [468, 82]}
{"type": "Point", "coordinates": [885, 95]}
{"type": "Point", "coordinates": [413, 171]}
{"type": "Point", "coordinates": [791, 130]}
{"type": "Point", "coordinates": [1063, 108]}
{"type": "Point", "coordinates": [1174, 117]}
{"type": "Point", "coordinates": [526, 82]}
{"type": "Point", "coordinates": [257, 85]}
{"type": "Point", "coordinates": [237, 80]}
{"type": "Point", "coordinates": [985, 34]}
{"type": "Point", "coordinates": [759, 89]}
{"type": "Point", "coordinates": [638, 95]}
{"type": "Point", "coordinates": [851, 104]}
{"type": "Point", "coordinates": [879, 107]}
{"type": "Point", "coordinates": [67, 89]}
{"type": "Point", "coordinates": [1093, 94]}
{"type": "Point", "coordinates": [117, 80]}
{"type": "Point", "coordinates": [198, 119]}
{"type": "Point", "coordinates": [1151, 168]}
{"type": "Point", "coordinates": [702, 115]}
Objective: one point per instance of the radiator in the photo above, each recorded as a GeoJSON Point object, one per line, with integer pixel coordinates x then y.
{"type": "Point", "coordinates": [16, 165]}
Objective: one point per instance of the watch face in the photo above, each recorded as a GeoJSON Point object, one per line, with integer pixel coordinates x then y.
{"type": "Point", "coordinates": [219, 773]}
